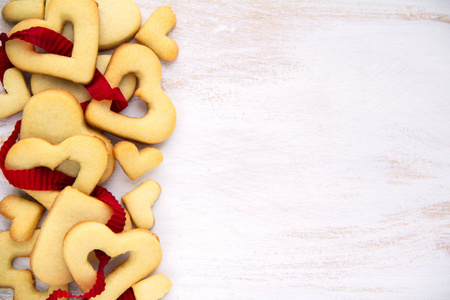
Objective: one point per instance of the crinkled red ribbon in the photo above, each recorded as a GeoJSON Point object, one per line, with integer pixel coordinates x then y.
{"type": "Point", "coordinates": [53, 42]}
{"type": "Point", "coordinates": [46, 179]}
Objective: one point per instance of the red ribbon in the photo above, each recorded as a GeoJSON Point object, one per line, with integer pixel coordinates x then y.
{"type": "Point", "coordinates": [53, 42]}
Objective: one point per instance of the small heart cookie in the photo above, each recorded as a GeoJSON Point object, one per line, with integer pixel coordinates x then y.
{"type": "Point", "coordinates": [90, 152]}
{"type": "Point", "coordinates": [80, 67]}
{"type": "Point", "coordinates": [17, 94]}
{"type": "Point", "coordinates": [19, 10]}
{"type": "Point", "coordinates": [70, 207]}
{"type": "Point", "coordinates": [24, 214]}
{"type": "Point", "coordinates": [153, 33]}
{"type": "Point", "coordinates": [139, 203]}
{"type": "Point", "coordinates": [159, 121]}
{"type": "Point", "coordinates": [21, 281]}
{"type": "Point", "coordinates": [134, 162]}
{"type": "Point", "coordinates": [144, 250]}
{"type": "Point", "coordinates": [152, 288]}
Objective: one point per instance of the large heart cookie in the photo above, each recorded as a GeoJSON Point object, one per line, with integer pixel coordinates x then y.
{"type": "Point", "coordinates": [159, 121]}
{"type": "Point", "coordinates": [70, 207]}
{"type": "Point", "coordinates": [134, 162]}
{"type": "Point", "coordinates": [80, 67]}
{"type": "Point", "coordinates": [21, 281]}
{"type": "Point", "coordinates": [144, 256]}
{"type": "Point", "coordinates": [24, 214]}
{"type": "Point", "coordinates": [90, 152]}
{"type": "Point", "coordinates": [17, 93]}
{"type": "Point", "coordinates": [19, 10]}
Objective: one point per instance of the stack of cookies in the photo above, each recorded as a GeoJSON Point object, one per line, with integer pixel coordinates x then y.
{"type": "Point", "coordinates": [60, 156]}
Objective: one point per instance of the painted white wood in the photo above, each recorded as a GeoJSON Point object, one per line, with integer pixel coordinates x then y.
{"type": "Point", "coordinates": [311, 158]}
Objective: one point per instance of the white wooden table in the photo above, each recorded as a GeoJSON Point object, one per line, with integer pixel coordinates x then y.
{"type": "Point", "coordinates": [311, 157]}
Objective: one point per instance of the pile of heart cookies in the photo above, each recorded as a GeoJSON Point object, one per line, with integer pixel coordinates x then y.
{"type": "Point", "coordinates": [59, 153]}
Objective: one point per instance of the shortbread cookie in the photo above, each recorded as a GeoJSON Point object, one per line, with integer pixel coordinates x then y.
{"type": "Point", "coordinates": [17, 94]}
{"type": "Point", "coordinates": [19, 10]}
{"type": "Point", "coordinates": [41, 82]}
{"type": "Point", "coordinates": [55, 115]}
{"type": "Point", "coordinates": [21, 281]}
{"type": "Point", "coordinates": [136, 163]}
{"type": "Point", "coordinates": [139, 203]}
{"type": "Point", "coordinates": [153, 33]}
{"type": "Point", "coordinates": [152, 288]}
{"type": "Point", "coordinates": [159, 121]}
{"type": "Point", "coordinates": [80, 67]}
{"type": "Point", "coordinates": [24, 214]}
{"type": "Point", "coordinates": [70, 207]}
{"type": "Point", "coordinates": [144, 256]}
{"type": "Point", "coordinates": [90, 152]}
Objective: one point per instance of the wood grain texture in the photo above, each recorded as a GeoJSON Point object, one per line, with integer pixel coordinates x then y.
{"type": "Point", "coordinates": [311, 156]}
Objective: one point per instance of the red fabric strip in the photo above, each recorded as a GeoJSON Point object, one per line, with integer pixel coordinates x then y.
{"type": "Point", "coordinates": [100, 89]}
{"type": "Point", "coordinates": [5, 64]}
{"type": "Point", "coordinates": [127, 295]}
{"type": "Point", "coordinates": [53, 42]}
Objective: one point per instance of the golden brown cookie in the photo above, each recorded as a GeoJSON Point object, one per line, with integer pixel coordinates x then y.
{"type": "Point", "coordinates": [144, 256]}
{"type": "Point", "coordinates": [24, 214]}
{"type": "Point", "coordinates": [17, 94]}
{"type": "Point", "coordinates": [159, 121]}
{"type": "Point", "coordinates": [80, 67]}
{"type": "Point", "coordinates": [136, 163]}
{"type": "Point", "coordinates": [153, 33]}
{"type": "Point", "coordinates": [139, 203]}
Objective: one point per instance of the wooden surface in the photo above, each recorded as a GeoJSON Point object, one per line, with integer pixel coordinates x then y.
{"type": "Point", "coordinates": [311, 157]}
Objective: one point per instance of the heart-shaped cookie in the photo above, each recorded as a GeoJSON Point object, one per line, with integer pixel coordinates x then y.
{"type": "Point", "coordinates": [153, 33]}
{"type": "Point", "coordinates": [21, 281]}
{"type": "Point", "coordinates": [19, 10]}
{"type": "Point", "coordinates": [90, 152]}
{"type": "Point", "coordinates": [80, 67]}
{"type": "Point", "coordinates": [139, 203]}
{"type": "Point", "coordinates": [24, 214]}
{"type": "Point", "coordinates": [144, 256]}
{"type": "Point", "coordinates": [70, 207]}
{"type": "Point", "coordinates": [159, 121]}
{"type": "Point", "coordinates": [17, 94]}
{"type": "Point", "coordinates": [134, 162]}
{"type": "Point", "coordinates": [152, 288]}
